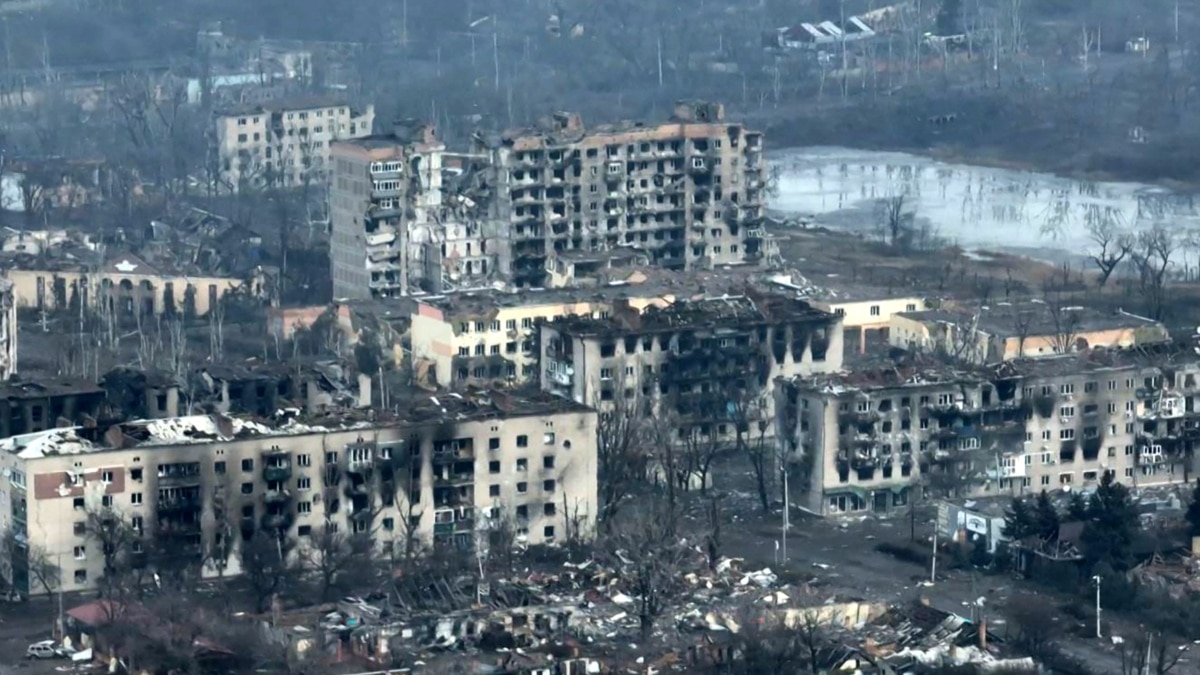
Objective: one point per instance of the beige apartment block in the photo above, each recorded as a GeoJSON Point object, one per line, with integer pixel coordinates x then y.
{"type": "Point", "coordinates": [285, 142]}
{"type": "Point", "coordinates": [382, 187]}
{"type": "Point", "coordinates": [1005, 331]}
{"type": "Point", "coordinates": [490, 337]}
{"type": "Point", "coordinates": [688, 193]}
{"type": "Point", "coordinates": [127, 283]}
{"type": "Point", "coordinates": [453, 467]}
{"type": "Point", "coordinates": [864, 441]}
{"type": "Point", "coordinates": [710, 362]}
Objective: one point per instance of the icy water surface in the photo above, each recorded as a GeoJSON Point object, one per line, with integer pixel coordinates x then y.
{"type": "Point", "coordinates": [976, 207]}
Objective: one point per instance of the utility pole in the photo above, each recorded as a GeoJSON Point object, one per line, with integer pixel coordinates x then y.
{"type": "Point", "coordinates": [1176, 21]}
{"type": "Point", "coordinates": [660, 72]}
{"type": "Point", "coordinates": [786, 511]}
{"type": "Point", "coordinates": [1097, 580]}
{"type": "Point", "coordinates": [59, 630]}
{"type": "Point", "coordinates": [496, 52]}
{"type": "Point", "coordinates": [933, 559]}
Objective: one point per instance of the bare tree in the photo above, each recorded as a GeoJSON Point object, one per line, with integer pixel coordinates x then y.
{"type": "Point", "coordinates": [1113, 244]}
{"type": "Point", "coordinates": [266, 565]}
{"type": "Point", "coordinates": [1067, 324]}
{"type": "Point", "coordinates": [1151, 256]}
{"type": "Point", "coordinates": [1036, 628]}
{"type": "Point", "coordinates": [42, 571]}
{"type": "Point", "coordinates": [649, 553]}
{"type": "Point", "coordinates": [773, 646]}
{"type": "Point", "coordinates": [108, 529]}
{"type": "Point", "coordinates": [1152, 654]}
{"type": "Point", "coordinates": [896, 223]}
{"type": "Point", "coordinates": [699, 451]}
{"type": "Point", "coordinates": [750, 424]}
{"type": "Point", "coordinates": [621, 455]}
{"type": "Point", "coordinates": [332, 554]}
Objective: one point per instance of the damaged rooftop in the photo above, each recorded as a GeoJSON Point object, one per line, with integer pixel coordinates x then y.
{"type": "Point", "coordinates": [420, 411]}
{"type": "Point", "coordinates": [644, 284]}
{"type": "Point", "coordinates": [1035, 317]}
{"type": "Point", "coordinates": [726, 311]}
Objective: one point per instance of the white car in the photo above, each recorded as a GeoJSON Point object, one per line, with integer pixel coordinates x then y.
{"type": "Point", "coordinates": [43, 650]}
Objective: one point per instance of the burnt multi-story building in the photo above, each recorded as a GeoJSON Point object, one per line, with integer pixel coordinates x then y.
{"type": "Point", "coordinates": [865, 440]}
{"type": "Point", "coordinates": [34, 405]}
{"type": "Point", "coordinates": [381, 186]}
{"type": "Point", "coordinates": [710, 362]}
{"type": "Point", "coordinates": [449, 470]}
{"type": "Point", "coordinates": [688, 192]}
{"type": "Point", "coordinates": [284, 142]}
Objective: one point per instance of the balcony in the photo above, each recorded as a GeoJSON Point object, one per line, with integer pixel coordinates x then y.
{"type": "Point", "coordinates": [177, 528]}
{"type": "Point", "coordinates": [274, 521]}
{"type": "Point", "coordinates": [179, 474]}
{"type": "Point", "coordinates": [359, 466]}
{"type": "Point", "coordinates": [179, 503]}
{"type": "Point", "coordinates": [277, 496]}
{"type": "Point", "coordinates": [453, 479]}
{"type": "Point", "coordinates": [384, 193]}
{"type": "Point", "coordinates": [277, 471]}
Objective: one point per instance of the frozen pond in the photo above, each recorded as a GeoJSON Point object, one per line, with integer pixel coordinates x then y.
{"type": "Point", "coordinates": [1024, 212]}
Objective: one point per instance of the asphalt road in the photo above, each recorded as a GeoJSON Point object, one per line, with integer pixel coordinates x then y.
{"type": "Point", "coordinates": [841, 555]}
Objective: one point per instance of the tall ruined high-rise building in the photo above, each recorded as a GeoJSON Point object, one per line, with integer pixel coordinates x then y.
{"type": "Point", "coordinates": [381, 185]}
{"type": "Point", "coordinates": [688, 193]}
{"type": "Point", "coordinates": [553, 205]}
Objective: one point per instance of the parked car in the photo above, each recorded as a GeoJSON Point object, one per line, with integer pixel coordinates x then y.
{"type": "Point", "coordinates": [43, 650]}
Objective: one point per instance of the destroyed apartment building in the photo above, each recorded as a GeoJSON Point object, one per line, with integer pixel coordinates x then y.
{"type": "Point", "coordinates": [545, 205]}
{"type": "Point", "coordinates": [451, 466]}
{"type": "Point", "coordinates": [708, 361]}
{"type": "Point", "coordinates": [284, 142]}
{"type": "Point", "coordinates": [688, 192]}
{"type": "Point", "coordinates": [392, 228]}
{"type": "Point", "coordinates": [250, 387]}
{"type": "Point", "coordinates": [491, 337]}
{"type": "Point", "coordinates": [863, 441]}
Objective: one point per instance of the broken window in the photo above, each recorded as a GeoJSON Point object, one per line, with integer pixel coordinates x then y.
{"type": "Point", "coordinates": [522, 465]}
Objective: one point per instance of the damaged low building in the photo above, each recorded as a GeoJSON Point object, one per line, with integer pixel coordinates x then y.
{"type": "Point", "coordinates": [710, 361]}
{"type": "Point", "coordinates": [862, 441]}
{"type": "Point", "coordinates": [688, 192]}
{"type": "Point", "coordinates": [452, 466]}
{"type": "Point", "coordinates": [491, 336]}
{"type": "Point", "coordinates": [1003, 331]}
{"type": "Point", "coordinates": [124, 283]}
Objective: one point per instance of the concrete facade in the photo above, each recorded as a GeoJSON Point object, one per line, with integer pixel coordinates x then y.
{"type": "Point", "coordinates": [128, 283]}
{"type": "Point", "coordinates": [382, 186]}
{"type": "Point", "coordinates": [455, 468]}
{"type": "Point", "coordinates": [688, 192]}
{"type": "Point", "coordinates": [491, 337]}
{"type": "Point", "coordinates": [283, 143]}
{"type": "Point", "coordinates": [1005, 331]}
{"type": "Point", "coordinates": [864, 441]}
{"type": "Point", "coordinates": [710, 362]}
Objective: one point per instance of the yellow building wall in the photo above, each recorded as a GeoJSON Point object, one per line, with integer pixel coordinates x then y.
{"type": "Point", "coordinates": [34, 285]}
